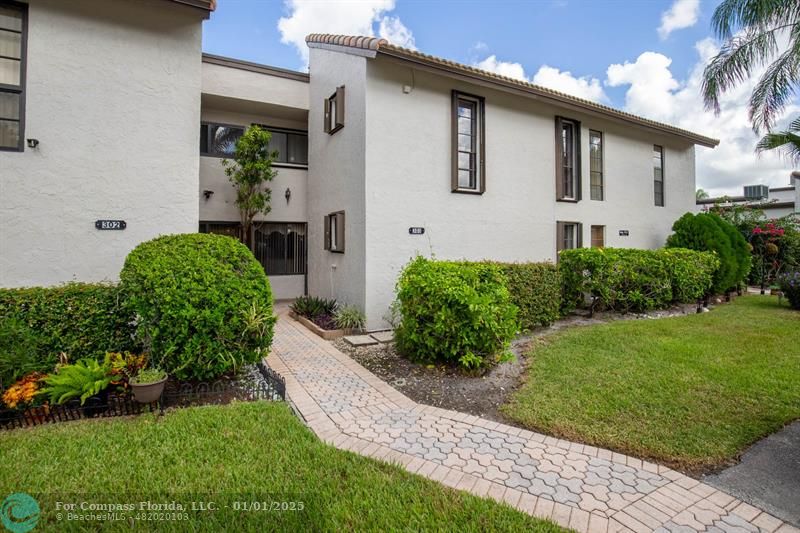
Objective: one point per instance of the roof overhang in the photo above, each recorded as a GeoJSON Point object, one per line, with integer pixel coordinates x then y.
{"type": "Point", "coordinates": [207, 6]}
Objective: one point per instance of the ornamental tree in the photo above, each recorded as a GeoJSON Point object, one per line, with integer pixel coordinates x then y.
{"type": "Point", "coordinates": [250, 173]}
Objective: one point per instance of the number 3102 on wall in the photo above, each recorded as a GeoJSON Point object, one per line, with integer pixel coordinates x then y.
{"type": "Point", "coordinates": [110, 224]}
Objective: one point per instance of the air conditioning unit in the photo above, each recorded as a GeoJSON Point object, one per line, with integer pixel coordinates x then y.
{"type": "Point", "coordinates": [756, 192]}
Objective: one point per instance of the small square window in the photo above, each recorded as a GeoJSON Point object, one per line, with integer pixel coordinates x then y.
{"type": "Point", "coordinates": [598, 236]}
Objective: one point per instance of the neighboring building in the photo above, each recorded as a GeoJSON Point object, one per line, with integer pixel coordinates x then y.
{"type": "Point", "coordinates": [384, 153]}
{"type": "Point", "coordinates": [775, 202]}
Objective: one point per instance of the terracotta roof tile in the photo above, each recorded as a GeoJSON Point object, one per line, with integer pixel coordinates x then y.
{"type": "Point", "coordinates": [383, 46]}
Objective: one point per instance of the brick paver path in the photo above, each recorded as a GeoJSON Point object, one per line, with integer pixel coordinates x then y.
{"type": "Point", "coordinates": [578, 486]}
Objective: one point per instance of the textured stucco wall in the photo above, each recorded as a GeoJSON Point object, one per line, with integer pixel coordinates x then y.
{"type": "Point", "coordinates": [336, 177]}
{"type": "Point", "coordinates": [113, 95]}
{"type": "Point", "coordinates": [252, 87]}
{"type": "Point", "coordinates": [408, 180]}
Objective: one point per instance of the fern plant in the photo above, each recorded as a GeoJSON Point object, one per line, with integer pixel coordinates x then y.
{"type": "Point", "coordinates": [85, 378]}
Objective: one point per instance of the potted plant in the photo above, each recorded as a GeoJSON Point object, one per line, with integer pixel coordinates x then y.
{"type": "Point", "coordinates": [148, 384]}
{"type": "Point", "coordinates": [87, 379]}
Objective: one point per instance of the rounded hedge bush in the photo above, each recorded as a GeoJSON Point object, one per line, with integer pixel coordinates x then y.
{"type": "Point", "coordinates": [709, 232]}
{"type": "Point", "coordinates": [454, 312]}
{"type": "Point", "coordinates": [202, 303]}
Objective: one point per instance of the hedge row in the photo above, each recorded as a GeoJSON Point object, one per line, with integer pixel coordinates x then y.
{"type": "Point", "coordinates": [535, 289]}
{"type": "Point", "coordinates": [635, 280]}
{"type": "Point", "coordinates": [79, 319]}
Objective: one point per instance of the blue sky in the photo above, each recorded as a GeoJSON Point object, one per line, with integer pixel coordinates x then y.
{"type": "Point", "coordinates": [644, 56]}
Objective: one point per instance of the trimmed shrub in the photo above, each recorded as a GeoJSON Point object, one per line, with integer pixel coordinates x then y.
{"type": "Point", "coordinates": [790, 286]}
{"type": "Point", "coordinates": [454, 312]}
{"type": "Point", "coordinates": [617, 278]}
{"type": "Point", "coordinates": [691, 273]}
{"type": "Point", "coordinates": [202, 302]}
{"type": "Point", "coordinates": [81, 319]}
{"type": "Point", "coordinates": [535, 288]}
{"type": "Point", "coordinates": [636, 280]}
{"type": "Point", "coordinates": [709, 232]}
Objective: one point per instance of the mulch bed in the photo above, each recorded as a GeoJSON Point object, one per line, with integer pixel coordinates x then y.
{"type": "Point", "coordinates": [481, 395]}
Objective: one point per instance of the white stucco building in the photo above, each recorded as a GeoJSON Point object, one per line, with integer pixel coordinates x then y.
{"type": "Point", "coordinates": [384, 153]}
{"type": "Point", "coordinates": [775, 202]}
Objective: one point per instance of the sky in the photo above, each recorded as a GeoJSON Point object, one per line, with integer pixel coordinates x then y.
{"type": "Point", "coordinates": [643, 56]}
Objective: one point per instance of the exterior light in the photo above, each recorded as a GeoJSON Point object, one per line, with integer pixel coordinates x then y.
{"type": "Point", "coordinates": [288, 194]}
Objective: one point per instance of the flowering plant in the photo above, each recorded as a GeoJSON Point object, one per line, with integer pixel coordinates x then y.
{"type": "Point", "coordinates": [23, 392]}
{"type": "Point", "coordinates": [790, 286]}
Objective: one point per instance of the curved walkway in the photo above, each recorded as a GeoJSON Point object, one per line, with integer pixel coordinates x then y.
{"type": "Point", "coordinates": [578, 486]}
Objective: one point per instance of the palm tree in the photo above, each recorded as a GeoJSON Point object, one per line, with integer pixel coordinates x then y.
{"type": "Point", "coordinates": [788, 141]}
{"type": "Point", "coordinates": [752, 31]}
{"type": "Point", "coordinates": [700, 194]}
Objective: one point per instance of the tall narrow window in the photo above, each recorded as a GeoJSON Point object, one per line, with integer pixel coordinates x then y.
{"type": "Point", "coordinates": [596, 164]}
{"type": "Point", "coordinates": [658, 175]}
{"type": "Point", "coordinates": [568, 159]}
{"type": "Point", "coordinates": [468, 139]}
{"type": "Point", "coordinates": [569, 235]}
{"type": "Point", "coordinates": [334, 111]}
{"type": "Point", "coordinates": [334, 232]}
{"type": "Point", "coordinates": [13, 30]}
{"type": "Point", "coordinates": [598, 236]}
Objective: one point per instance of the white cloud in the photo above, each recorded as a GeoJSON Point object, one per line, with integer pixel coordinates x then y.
{"type": "Point", "coordinates": [584, 87]}
{"type": "Point", "coordinates": [504, 68]}
{"type": "Point", "coordinates": [346, 17]}
{"type": "Point", "coordinates": [654, 92]}
{"type": "Point", "coordinates": [682, 14]}
{"type": "Point", "coordinates": [546, 76]}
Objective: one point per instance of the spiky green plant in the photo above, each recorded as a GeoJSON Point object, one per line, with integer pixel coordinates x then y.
{"type": "Point", "coordinates": [788, 141]}
{"type": "Point", "coordinates": [85, 378]}
{"type": "Point", "coordinates": [349, 317]}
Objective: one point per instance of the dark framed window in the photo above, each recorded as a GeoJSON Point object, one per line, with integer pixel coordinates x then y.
{"type": "Point", "coordinates": [13, 48]}
{"type": "Point", "coordinates": [291, 145]}
{"type": "Point", "coordinates": [219, 140]}
{"type": "Point", "coordinates": [598, 236]}
{"type": "Point", "coordinates": [334, 232]}
{"type": "Point", "coordinates": [334, 111]}
{"type": "Point", "coordinates": [596, 165]}
{"type": "Point", "coordinates": [281, 248]}
{"type": "Point", "coordinates": [468, 157]}
{"type": "Point", "coordinates": [658, 175]}
{"type": "Point", "coordinates": [568, 160]}
{"type": "Point", "coordinates": [569, 235]}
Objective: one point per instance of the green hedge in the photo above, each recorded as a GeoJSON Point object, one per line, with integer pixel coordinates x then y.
{"type": "Point", "coordinates": [80, 319]}
{"type": "Point", "coordinates": [454, 312]}
{"type": "Point", "coordinates": [635, 280]}
{"type": "Point", "coordinates": [203, 303]}
{"type": "Point", "coordinates": [535, 288]}
{"type": "Point", "coordinates": [709, 232]}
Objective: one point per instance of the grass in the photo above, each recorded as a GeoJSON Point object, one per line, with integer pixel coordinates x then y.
{"type": "Point", "coordinates": [242, 452]}
{"type": "Point", "coordinates": [691, 392]}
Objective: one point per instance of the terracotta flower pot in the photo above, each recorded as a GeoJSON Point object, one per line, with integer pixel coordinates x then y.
{"type": "Point", "coordinates": [148, 392]}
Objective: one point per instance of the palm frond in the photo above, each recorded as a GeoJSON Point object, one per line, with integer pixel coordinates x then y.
{"type": "Point", "coordinates": [733, 64]}
{"type": "Point", "coordinates": [787, 142]}
{"type": "Point", "coordinates": [731, 16]}
{"type": "Point", "coordinates": [776, 88]}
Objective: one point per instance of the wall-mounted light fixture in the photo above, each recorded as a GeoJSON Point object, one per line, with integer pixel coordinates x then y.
{"type": "Point", "coordinates": [207, 194]}
{"type": "Point", "coordinates": [33, 143]}
{"type": "Point", "coordinates": [288, 194]}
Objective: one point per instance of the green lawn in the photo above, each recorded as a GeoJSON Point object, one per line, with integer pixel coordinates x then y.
{"type": "Point", "coordinates": [242, 452]}
{"type": "Point", "coordinates": [690, 391]}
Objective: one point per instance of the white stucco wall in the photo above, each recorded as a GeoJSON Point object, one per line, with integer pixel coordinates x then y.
{"type": "Point", "coordinates": [408, 180]}
{"type": "Point", "coordinates": [254, 87]}
{"type": "Point", "coordinates": [336, 177]}
{"type": "Point", "coordinates": [113, 96]}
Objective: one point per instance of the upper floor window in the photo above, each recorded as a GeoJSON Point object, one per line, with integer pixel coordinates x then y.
{"type": "Point", "coordinates": [13, 35]}
{"type": "Point", "coordinates": [568, 159]}
{"type": "Point", "coordinates": [658, 175]}
{"type": "Point", "coordinates": [220, 140]}
{"type": "Point", "coordinates": [334, 111]}
{"type": "Point", "coordinates": [468, 157]}
{"type": "Point", "coordinates": [596, 164]}
{"type": "Point", "coordinates": [334, 232]}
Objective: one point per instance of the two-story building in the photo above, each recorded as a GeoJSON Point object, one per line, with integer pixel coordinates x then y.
{"type": "Point", "coordinates": [384, 153]}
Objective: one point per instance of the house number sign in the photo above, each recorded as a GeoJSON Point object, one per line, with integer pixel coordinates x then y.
{"type": "Point", "coordinates": [624, 233]}
{"type": "Point", "coordinates": [110, 224]}
{"type": "Point", "coordinates": [416, 231]}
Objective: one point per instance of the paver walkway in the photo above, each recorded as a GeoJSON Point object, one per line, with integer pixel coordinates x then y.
{"type": "Point", "coordinates": [578, 486]}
